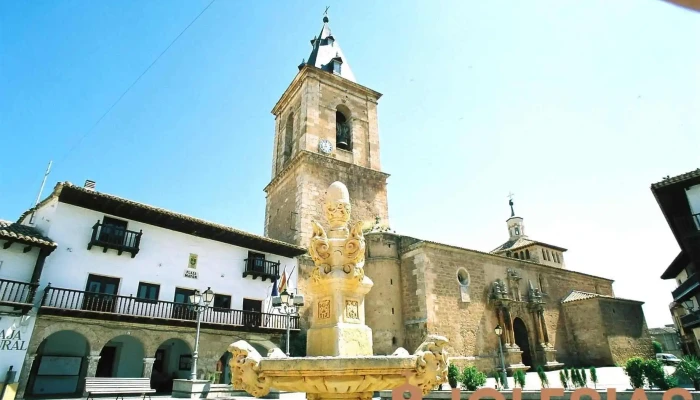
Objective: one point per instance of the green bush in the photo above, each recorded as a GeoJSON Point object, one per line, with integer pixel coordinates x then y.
{"type": "Point", "coordinates": [657, 347]}
{"type": "Point", "coordinates": [472, 378]}
{"type": "Point", "coordinates": [519, 378]}
{"type": "Point", "coordinates": [594, 377]}
{"type": "Point", "coordinates": [452, 375]}
{"type": "Point", "coordinates": [575, 378]}
{"type": "Point", "coordinates": [655, 374]}
{"type": "Point", "coordinates": [563, 380]}
{"type": "Point", "coordinates": [689, 369]}
{"type": "Point", "coordinates": [634, 368]}
{"type": "Point", "coordinates": [584, 379]}
{"type": "Point", "coordinates": [543, 377]}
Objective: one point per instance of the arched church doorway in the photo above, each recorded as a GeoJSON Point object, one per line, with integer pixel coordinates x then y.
{"type": "Point", "coordinates": [521, 339]}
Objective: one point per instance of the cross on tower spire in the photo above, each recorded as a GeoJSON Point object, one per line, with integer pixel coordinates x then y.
{"type": "Point", "coordinates": [510, 202]}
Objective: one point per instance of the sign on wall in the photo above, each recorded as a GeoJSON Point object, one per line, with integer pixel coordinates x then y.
{"type": "Point", "coordinates": [191, 271]}
{"type": "Point", "coordinates": [12, 340]}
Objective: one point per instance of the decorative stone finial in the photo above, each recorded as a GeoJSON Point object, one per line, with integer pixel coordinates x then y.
{"type": "Point", "coordinates": [337, 206]}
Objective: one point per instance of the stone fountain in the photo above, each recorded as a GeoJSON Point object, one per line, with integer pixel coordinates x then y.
{"type": "Point", "coordinates": [340, 363]}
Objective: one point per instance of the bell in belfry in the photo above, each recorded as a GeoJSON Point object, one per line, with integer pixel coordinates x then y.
{"type": "Point", "coordinates": [342, 131]}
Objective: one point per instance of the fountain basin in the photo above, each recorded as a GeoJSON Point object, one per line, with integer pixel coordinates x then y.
{"type": "Point", "coordinates": [338, 376]}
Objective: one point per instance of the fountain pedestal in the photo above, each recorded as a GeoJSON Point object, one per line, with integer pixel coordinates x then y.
{"type": "Point", "coordinates": [340, 363]}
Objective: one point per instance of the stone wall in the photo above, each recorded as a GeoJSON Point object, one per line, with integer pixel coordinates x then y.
{"type": "Point", "coordinates": [431, 290]}
{"type": "Point", "coordinates": [587, 338]}
{"type": "Point", "coordinates": [625, 329]}
{"type": "Point", "coordinates": [212, 343]}
{"type": "Point", "coordinates": [281, 213]}
{"type": "Point", "coordinates": [383, 307]}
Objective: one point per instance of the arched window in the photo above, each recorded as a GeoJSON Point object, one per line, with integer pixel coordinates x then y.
{"type": "Point", "coordinates": [515, 254]}
{"type": "Point", "coordinates": [527, 254]}
{"type": "Point", "coordinates": [549, 256]}
{"type": "Point", "coordinates": [463, 277]}
{"type": "Point", "coordinates": [517, 230]}
{"type": "Point", "coordinates": [288, 137]}
{"type": "Point", "coordinates": [343, 133]}
{"type": "Point", "coordinates": [522, 255]}
{"type": "Point", "coordinates": [544, 255]}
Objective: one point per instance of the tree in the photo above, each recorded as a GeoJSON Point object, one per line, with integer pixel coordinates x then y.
{"type": "Point", "coordinates": [657, 347]}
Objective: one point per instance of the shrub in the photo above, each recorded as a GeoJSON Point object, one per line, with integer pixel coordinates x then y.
{"type": "Point", "coordinates": [689, 369]}
{"type": "Point", "coordinates": [543, 377]}
{"type": "Point", "coordinates": [519, 378]}
{"type": "Point", "coordinates": [452, 375]}
{"type": "Point", "coordinates": [575, 378]}
{"type": "Point", "coordinates": [634, 368]}
{"type": "Point", "coordinates": [584, 379]}
{"type": "Point", "coordinates": [657, 347]}
{"type": "Point", "coordinates": [562, 379]}
{"type": "Point", "coordinates": [472, 378]}
{"type": "Point", "coordinates": [655, 374]}
{"type": "Point", "coordinates": [594, 377]}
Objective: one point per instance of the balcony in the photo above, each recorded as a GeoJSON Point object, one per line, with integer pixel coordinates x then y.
{"type": "Point", "coordinates": [687, 288]}
{"type": "Point", "coordinates": [76, 303]}
{"type": "Point", "coordinates": [19, 295]}
{"type": "Point", "coordinates": [114, 237]}
{"type": "Point", "coordinates": [691, 320]}
{"type": "Point", "coordinates": [259, 267]}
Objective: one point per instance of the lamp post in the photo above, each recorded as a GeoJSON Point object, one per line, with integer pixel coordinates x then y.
{"type": "Point", "coordinates": [200, 301]}
{"type": "Point", "coordinates": [288, 304]}
{"type": "Point", "coordinates": [504, 376]}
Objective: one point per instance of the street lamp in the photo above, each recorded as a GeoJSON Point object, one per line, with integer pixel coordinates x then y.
{"type": "Point", "coordinates": [504, 377]}
{"type": "Point", "coordinates": [288, 304]}
{"type": "Point", "coordinates": [200, 302]}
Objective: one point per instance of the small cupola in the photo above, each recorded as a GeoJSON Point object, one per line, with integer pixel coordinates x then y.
{"type": "Point", "coordinates": [516, 228]}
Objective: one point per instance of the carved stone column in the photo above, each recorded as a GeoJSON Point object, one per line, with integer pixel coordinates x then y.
{"type": "Point", "coordinates": [510, 331]}
{"type": "Point", "coordinates": [92, 360]}
{"type": "Point", "coordinates": [544, 328]}
{"type": "Point", "coordinates": [92, 365]}
{"type": "Point", "coordinates": [24, 375]}
{"type": "Point", "coordinates": [538, 328]}
{"type": "Point", "coordinates": [148, 366]}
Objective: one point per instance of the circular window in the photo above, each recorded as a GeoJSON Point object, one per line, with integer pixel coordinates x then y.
{"type": "Point", "coordinates": [463, 277]}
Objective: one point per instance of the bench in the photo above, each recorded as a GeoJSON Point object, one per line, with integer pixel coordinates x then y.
{"type": "Point", "coordinates": [118, 386]}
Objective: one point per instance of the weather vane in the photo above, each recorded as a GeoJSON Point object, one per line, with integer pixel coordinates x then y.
{"type": "Point", "coordinates": [510, 202]}
{"type": "Point", "coordinates": [326, 12]}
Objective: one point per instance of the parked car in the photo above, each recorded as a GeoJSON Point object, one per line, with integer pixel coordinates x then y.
{"type": "Point", "coordinates": [668, 359]}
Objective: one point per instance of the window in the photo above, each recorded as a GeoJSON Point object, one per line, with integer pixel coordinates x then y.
{"type": "Point", "coordinates": [288, 137]}
{"type": "Point", "coordinates": [544, 255]}
{"type": "Point", "coordinates": [251, 312]}
{"type": "Point", "coordinates": [522, 255]}
{"type": "Point", "coordinates": [222, 301]}
{"type": "Point", "coordinates": [463, 277]}
{"type": "Point", "coordinates": [527, 254]}
{"type": "Point", "coordinates": [391, 281]}
{"type": "Point", "coordinates": [392, 310]}
{"type": "Point", "coordinates": [336, 67]}
{"type": "Point", "coordinates": [515, 254]}
{"type": "Point", "coordinates": [549, 256]}
{"type": "Point", "coordinates": [101, 293]}
{"type": "Point", "coordinates": [508, 254]}
{"type": "Point", "coordinates": [148, 291]}
{"type": "Point", "coordinates": [517, 230]}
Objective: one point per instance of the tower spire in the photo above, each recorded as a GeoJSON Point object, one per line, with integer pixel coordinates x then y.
{"type": "Point", "coordinates": [326, 53]}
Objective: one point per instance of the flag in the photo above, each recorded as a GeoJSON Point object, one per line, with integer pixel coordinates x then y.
{"type": "Point", "coordinates": [283, 283]}
{"type": "Point", "coordinates": [275, 292]}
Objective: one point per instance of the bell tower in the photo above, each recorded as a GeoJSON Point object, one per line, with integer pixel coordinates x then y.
{"type": "Point", "coordinates": [326, 130]}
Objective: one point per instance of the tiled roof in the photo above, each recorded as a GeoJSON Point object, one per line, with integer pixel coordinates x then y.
{"type": "Point", "coordinates": [13, 231]}
{"type": "Point", "coordinates": [522, 242]}
{"type": "Point", "coordinates": [91, 197]}
{"type": "Point", "coordinates": [577, 295]}
{"type": "Point", "coordinates": [662, 331]}
{"type": "Point", "coordinates": [679, 178]}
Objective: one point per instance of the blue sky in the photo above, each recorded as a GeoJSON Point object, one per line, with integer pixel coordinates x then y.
{"type": "Point", "coordinates": [576, 107]}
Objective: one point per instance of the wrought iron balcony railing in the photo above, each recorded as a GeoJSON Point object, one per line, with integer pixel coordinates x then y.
{"type": "Point", "coordinates": [691, 320]}
{"type": "Point", "coordinates": [17, 294]}
{"type": "Point", "coordinates": [687, 289]}
{"type": "Point", "coordinates": [110, 306]}
{"type": "Point", "coordinates": [114, 237]}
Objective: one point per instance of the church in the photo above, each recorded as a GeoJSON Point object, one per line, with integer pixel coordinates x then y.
{"type": "Point", "coordinates": [326, 130]}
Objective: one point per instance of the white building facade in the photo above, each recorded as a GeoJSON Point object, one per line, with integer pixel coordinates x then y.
{"type": "Point", "coordinates": [113, 299]}
{"type": "Point", "coordinates": [23, 251]}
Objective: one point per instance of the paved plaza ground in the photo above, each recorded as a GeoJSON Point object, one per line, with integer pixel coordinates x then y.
{"type": "Point", "coordinates": [608, 377]}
